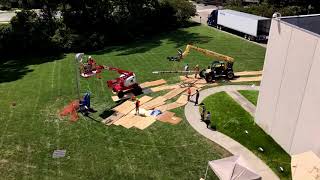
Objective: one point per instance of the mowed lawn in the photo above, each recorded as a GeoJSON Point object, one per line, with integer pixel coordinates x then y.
{"type": "Point", "coordinates": [31, 130]}
{"type": "Point", "coordinates": [231, 119]}
{"type": "Point", "coordinates": [251, 95]}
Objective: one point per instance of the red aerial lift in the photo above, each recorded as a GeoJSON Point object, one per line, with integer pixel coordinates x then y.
{"type": "Point", "coordinates": [125, 83]}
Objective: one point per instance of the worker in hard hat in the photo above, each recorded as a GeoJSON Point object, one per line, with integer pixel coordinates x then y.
{"type": "Point", "coordinates": [137, 106]}
{"type": "Point", "coordinates": [186, 69]}
{"type": "Point", "coordinates": [197, 70]}
{"type": "Point", "coordinates": [91, 63]}
{"type": "Point", "coordinates": [90, 60]}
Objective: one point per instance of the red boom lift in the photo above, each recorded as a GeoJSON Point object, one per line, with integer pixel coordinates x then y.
{"type": "Point", "coordinates": [125, 83]}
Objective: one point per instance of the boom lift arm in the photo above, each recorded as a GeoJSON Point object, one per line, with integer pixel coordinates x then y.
{"type": "Point", "coordinates": [207, 53]}
{"type": "Point", "coordinates": [120, 71]}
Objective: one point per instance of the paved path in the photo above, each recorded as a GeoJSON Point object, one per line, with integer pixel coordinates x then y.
{"type": "Point", "coordinates": [193, 117]}
{"type": "Point", "coordinates": [245, 103]}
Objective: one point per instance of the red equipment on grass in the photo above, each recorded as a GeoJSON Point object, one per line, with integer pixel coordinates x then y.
{"type": "Point", "coordinates": [90, 68]}
{"type": "Point", "coordinates": [125, 83]}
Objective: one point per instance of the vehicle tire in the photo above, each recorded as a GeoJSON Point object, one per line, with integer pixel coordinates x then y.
{"type": "Point", "coordinates": [202, 73]}
{"type": "Point", "coordinates": [209, 78]}
{"type": "Point", "coordinates": [230, 75]}
{"type": "Point", "coordinates": [120, 94]}
{"type": "Point", "coordinates": [137, 90]}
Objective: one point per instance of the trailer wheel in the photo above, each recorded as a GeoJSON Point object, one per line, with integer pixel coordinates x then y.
{"type": "Point", "coordinates": [120, 94]}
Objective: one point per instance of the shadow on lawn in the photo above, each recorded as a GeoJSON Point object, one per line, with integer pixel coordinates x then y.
{"type": "Point", "coordinates": [11, 70]}
{"type": "Point", "coordinates": [179, 37]}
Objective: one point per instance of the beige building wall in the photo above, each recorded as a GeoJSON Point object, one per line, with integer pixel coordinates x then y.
{"type": "Point", "coordinates": [289, 101]}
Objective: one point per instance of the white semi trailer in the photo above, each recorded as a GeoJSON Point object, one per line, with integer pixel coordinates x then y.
{"type": "Point", "coordinates": [252, 27]}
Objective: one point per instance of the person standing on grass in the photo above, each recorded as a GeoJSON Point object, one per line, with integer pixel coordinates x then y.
{"type": "Point", "coordinates": [203, 112]}
{"type": "Point", "coordinates": [196, 69]}
{"type": "Point", "coordinates": [189, 93]}
{"type": "Point", "coordinates": [186, 69]}
{"type": "Point", "coordinates": [197, 97]}
{"type": "Point", "coordinates": [137, 106]}
{"type": "Point", "coordinates": [208, 119]}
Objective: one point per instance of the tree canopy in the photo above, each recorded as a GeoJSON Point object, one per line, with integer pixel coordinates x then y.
{"type": "Point", "coordinates": [90, 24]}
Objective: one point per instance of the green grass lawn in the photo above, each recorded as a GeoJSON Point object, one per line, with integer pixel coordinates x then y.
{"type": "Point", "coordinates": [32, 130]}
{"type": "Point", "coordinates": [251, 95]}
{"type": "Point", "coordinates": [231, 119]}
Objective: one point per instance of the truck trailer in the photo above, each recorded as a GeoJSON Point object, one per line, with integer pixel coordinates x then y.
{"type": "Point", "coordinates": [251, 27]}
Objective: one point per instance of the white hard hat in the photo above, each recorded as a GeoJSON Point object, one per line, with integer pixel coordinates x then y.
{"type": "Point", "coordinates": [90, 57]}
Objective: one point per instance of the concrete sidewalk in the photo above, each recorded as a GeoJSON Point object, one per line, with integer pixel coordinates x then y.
{"type": "Point", "coordinates": [244, 103]}
{"type": "Point", "coordinates": [193, 117]}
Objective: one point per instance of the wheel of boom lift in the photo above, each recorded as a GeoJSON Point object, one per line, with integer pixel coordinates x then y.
{"type": "Point", "coordinates": [137, 90]}
{"type": "Point", "coordinates": [120, 94]}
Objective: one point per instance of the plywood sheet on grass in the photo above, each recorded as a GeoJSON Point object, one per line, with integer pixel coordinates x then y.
{"type": "Point", "coordinates": [144, 99]}
{"type": "Point", "coordinates": [248, 73]}
{"type": "Point", "coordinates": [247, 79]}
{"type": "Point", "coordinates": [125, 107]}
{"type": "Point", "coordinates": [153, 83]}
{"type": "Point", "coordinates": [190, 76]}
{"type": "Point", "coordinates": [169, 106]}
{"type": "Point", "coordinates": [144, 122]}
{"type": "Point", "coordinates": [128, 106]}
{"type": "Point", "coordinates": [174, 120]}
{"type": "Point", "coordinates": [199, 86]}
{"type": "Point", "coordinates": [183, 99]}
{"type": "Point", "coordinates": [130, 122]}
{"type": "Point", "coordinates": [113, 118]}
{"type": "Point", "coordinates": [174, 93]}
{"type": "Point", "coordinates": [164, 87]}
{"type": "Point", "coordinates": [166, 116]}
{"type": "Point", "coordinates": [154, 103]}
{"type": "Point", "coordinates": [123, 120]}
{"type": "Point", "coordinates": [201, 81]}
{"type": "Point", "coordinates": [115, 98]}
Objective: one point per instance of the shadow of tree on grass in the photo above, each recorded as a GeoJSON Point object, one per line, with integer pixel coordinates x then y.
{"type": "Point", "coordinates": [14, 69]}
{"type": "Point", "coordinates": [179, 37]}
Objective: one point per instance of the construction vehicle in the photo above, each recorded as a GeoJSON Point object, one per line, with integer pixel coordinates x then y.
{"type": "Point", "coordinates": [125, 83]}
{"type": "Point", "coordinates": [89, 68]}
{"type": "Point", "coordinates": [221, 68]}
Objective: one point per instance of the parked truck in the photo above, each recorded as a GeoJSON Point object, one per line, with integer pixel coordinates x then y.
{"type": "Point", "coordinates": [251, 27]}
